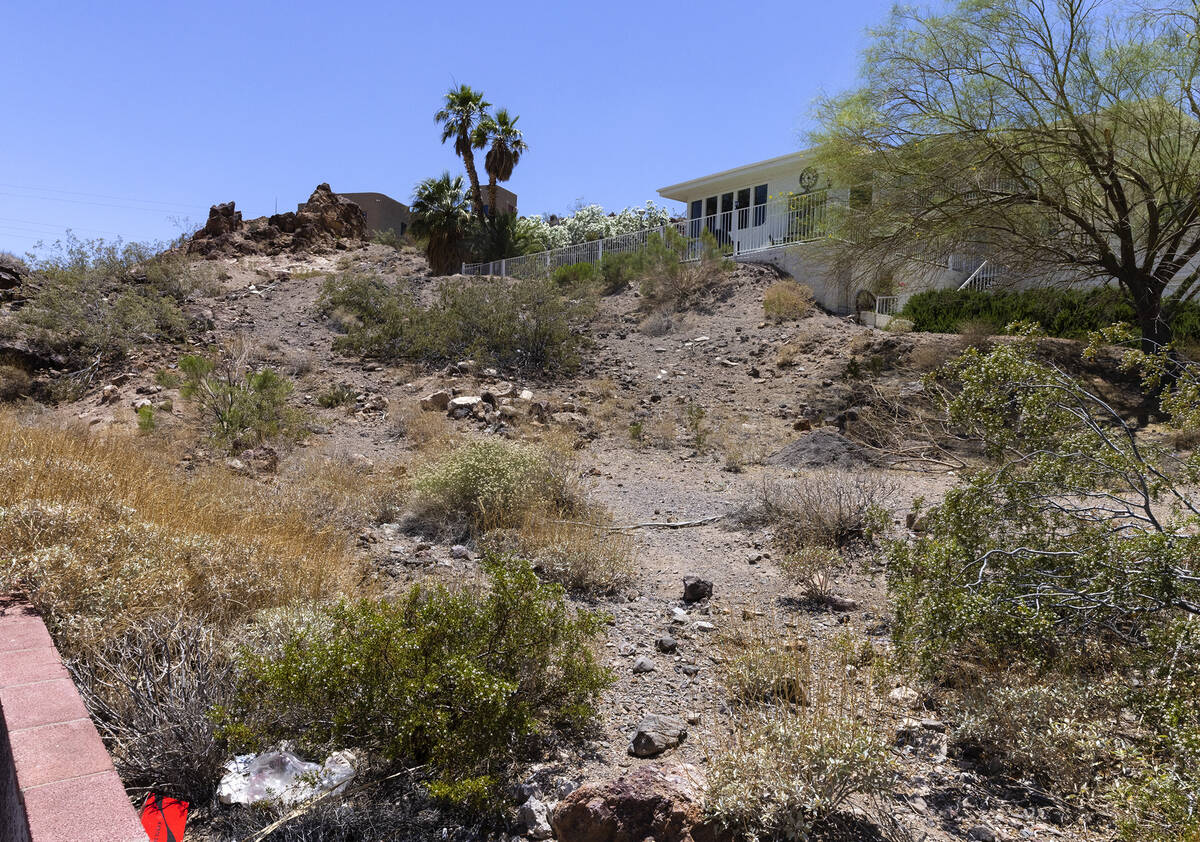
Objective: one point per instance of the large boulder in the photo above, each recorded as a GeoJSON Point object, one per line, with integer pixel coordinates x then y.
{"type": "Point", "coordinates": [325, 220]}
{"type": "Point", "coordinates": [660, 802]}
{"type": "Point", "coordinates": [656, 733]}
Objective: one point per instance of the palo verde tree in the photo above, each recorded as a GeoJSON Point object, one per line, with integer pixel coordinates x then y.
{"type": "Point", "coordinates": [459, 117]}
{"type": "Point", "coordinates": [505, 144]}
{"type": "Point", "coordinates": [1061, 138]}
{"type": "Point", "coordinates": [439, 214]}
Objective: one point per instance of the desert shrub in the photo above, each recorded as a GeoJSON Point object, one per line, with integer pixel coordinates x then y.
{"type": "Point", "coordinates": [90, 299]}
{"type": "Point", "coordinates": [825, 509]}
{"type": "Point", "coordinates": [1056, 732]}
{"type": "Point", "coordinates": [242, 407]}
{"type": "Point", "coordinates": [813, 569]}
{"type": "Point", "coordinates": [15, 382]}
{"type": "Point", "coordinates": [676, 273]}
{"type": "Point", "coordinates": [342, 818]}
{"type": "Point", "coordinates": [787, 300]}
{"type": "Point", "coordinates": [802, 742]}
{"type": "Point", "coordinates": [1070, 558]}
{"type": "Point", "coordinates": [583, 556]}
{"type": "Point", "coordinates": [388, 238]}
{"type": "Point", "coordinates": [525, 325]}
{"type": "Point", "coordinates": [459, 680]}
{"type": "Point", "coordinates": [101, 534]}
{"type": "Point", "coordinates": [151, 693]}
{"type": "Point", "coordinates": [574, 276]}
{"type": "Point", "coordinates": [495, 484]}
{"type": "Point", "coordinates": [1069, 313]}
{"type": "Point", "coordinates": [763, 666]}
{"type": "Point", "coordinates": [658, 323]}
{"type": "Point", "coordinates": [339, 394]}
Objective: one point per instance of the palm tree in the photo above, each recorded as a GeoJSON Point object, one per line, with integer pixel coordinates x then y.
{"type": "Point", "coordinates": [507, 144]}
{"type": "Point", "coordinates": [459, 117]}
{"type": "Point", "coordinates": [439, 213]}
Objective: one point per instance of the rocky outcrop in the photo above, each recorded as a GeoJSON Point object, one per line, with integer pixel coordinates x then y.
{"type": "Point", "coordinates": [659, 802]}
{"type": "Point", "coordinates": [325, 221]}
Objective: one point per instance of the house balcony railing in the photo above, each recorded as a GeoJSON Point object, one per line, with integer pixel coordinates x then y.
{"type": "Point", "coordinates": [789, 220]}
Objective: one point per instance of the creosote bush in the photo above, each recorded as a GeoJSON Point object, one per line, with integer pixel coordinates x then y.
{"type": "Point", "coordinates": [90, 299]}
{"type": "Point", "coordinates": [525, 325]}
{"type": "Point", "coordinates": [242, 407]}
{"type": "Point", "coordinates": [460, 681]}
{"type": "Point", "coordinates": [787, 300]}
{"type": "Point", "coordinates": [101, 534]}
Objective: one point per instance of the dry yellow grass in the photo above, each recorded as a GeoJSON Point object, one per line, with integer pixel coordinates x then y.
{"type": "Point", "coordinates": [583, 556]}
{"type": "Point", "coordinates": [787, 300]}
{"type": "Point", "coordinates": [100, 534]}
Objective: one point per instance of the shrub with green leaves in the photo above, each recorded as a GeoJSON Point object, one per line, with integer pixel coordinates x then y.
{"type": "Point", "coordinates": [674, 271]}
{"type": "Point", "coordinates": [1069, 313]}
{"type": "Point", "coordinates": [242, 407]}
{"type": "Point", "coordinates": [1071, 558]}
{"type": "Point", "coordinates": [90, 299]}
{"type": "Point", "coordinates": [460, 681]}
{"type": "Point", "coordinates": [493, 483]}
{"type": "Point", "coordinates": [527, 325]}
{"type": "Point", "coordinates": [1080, 531]}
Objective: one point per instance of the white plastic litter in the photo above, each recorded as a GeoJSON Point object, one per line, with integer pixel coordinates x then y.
{"type": "Point", "coordinates": [278, 775]}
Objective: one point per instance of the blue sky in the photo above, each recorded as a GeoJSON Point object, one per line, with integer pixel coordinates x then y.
{"type": "Point", "coordinates": [126, 118]}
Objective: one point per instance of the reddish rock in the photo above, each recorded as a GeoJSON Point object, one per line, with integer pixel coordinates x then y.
{"type": "Point", "coordinates": [325, 220]}
{"type": "Point", "coordinates": [659, 801]}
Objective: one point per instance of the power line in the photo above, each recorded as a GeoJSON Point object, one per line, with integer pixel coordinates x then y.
{"type": "Point", "coordinates": [96, 204]}
{"type": "Point", "coordinates": [95, 195]}
{"type": "Point", "coordinates": [55, 228]}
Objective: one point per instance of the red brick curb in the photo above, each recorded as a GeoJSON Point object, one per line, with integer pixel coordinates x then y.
{"type": "Point", "coordinates": [57, 782]}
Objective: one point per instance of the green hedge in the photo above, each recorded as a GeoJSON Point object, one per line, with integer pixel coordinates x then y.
{"type": "Point", "coordinates": [1069, 313]}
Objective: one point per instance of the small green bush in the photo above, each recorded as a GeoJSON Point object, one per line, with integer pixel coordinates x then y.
{"type": "Point", "coordinates": [677, 273]}
{"type": "Point", "coordinates": [574, 276]}
{"type": "Point", "coordinates": [1067, 313]}
{"type": "Point", "coordinates": [526, 325]}
{"type": "Point", "coordinates": [337, 395]}
{"type": "Point", "coordinates": [459, 680]}
{"type": "Point", "coordinates": [93, 299]}
{"type": "Point", "coordinates": [243, 408]}
{"type": "Point", "coordinates": [494, 484]}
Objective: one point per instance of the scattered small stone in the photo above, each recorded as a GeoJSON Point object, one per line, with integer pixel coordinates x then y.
{"type": "Point", "coordinates": [979, 833]}
{"type": "Point", "coordinates": [666, 644]}
{"type": "Point", "coordinates": [705, 626]}
{"type": "Point", "coordinates": [690, 669]}
{"type": "Point", "coordinates": [678, 615]}
{"type": "Point", "coordinates": [696, 589]}
{"type": "Point", "coordinates": [692, 717]}
{"type": "Point", "coordinates": [460, 552]}
{"type": "Point", "coordinates": [904, 697]}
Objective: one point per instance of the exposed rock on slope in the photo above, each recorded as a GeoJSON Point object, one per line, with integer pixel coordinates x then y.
{"type": "Point", "coordinates": [325, 221]}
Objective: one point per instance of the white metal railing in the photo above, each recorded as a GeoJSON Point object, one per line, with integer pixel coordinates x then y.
{"type": "Point", "coordinates": [982, 273]}
{"type": "Point", "coordinates": [784, 221]}
{"type": "Point", "coordinates": [890, 305]}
